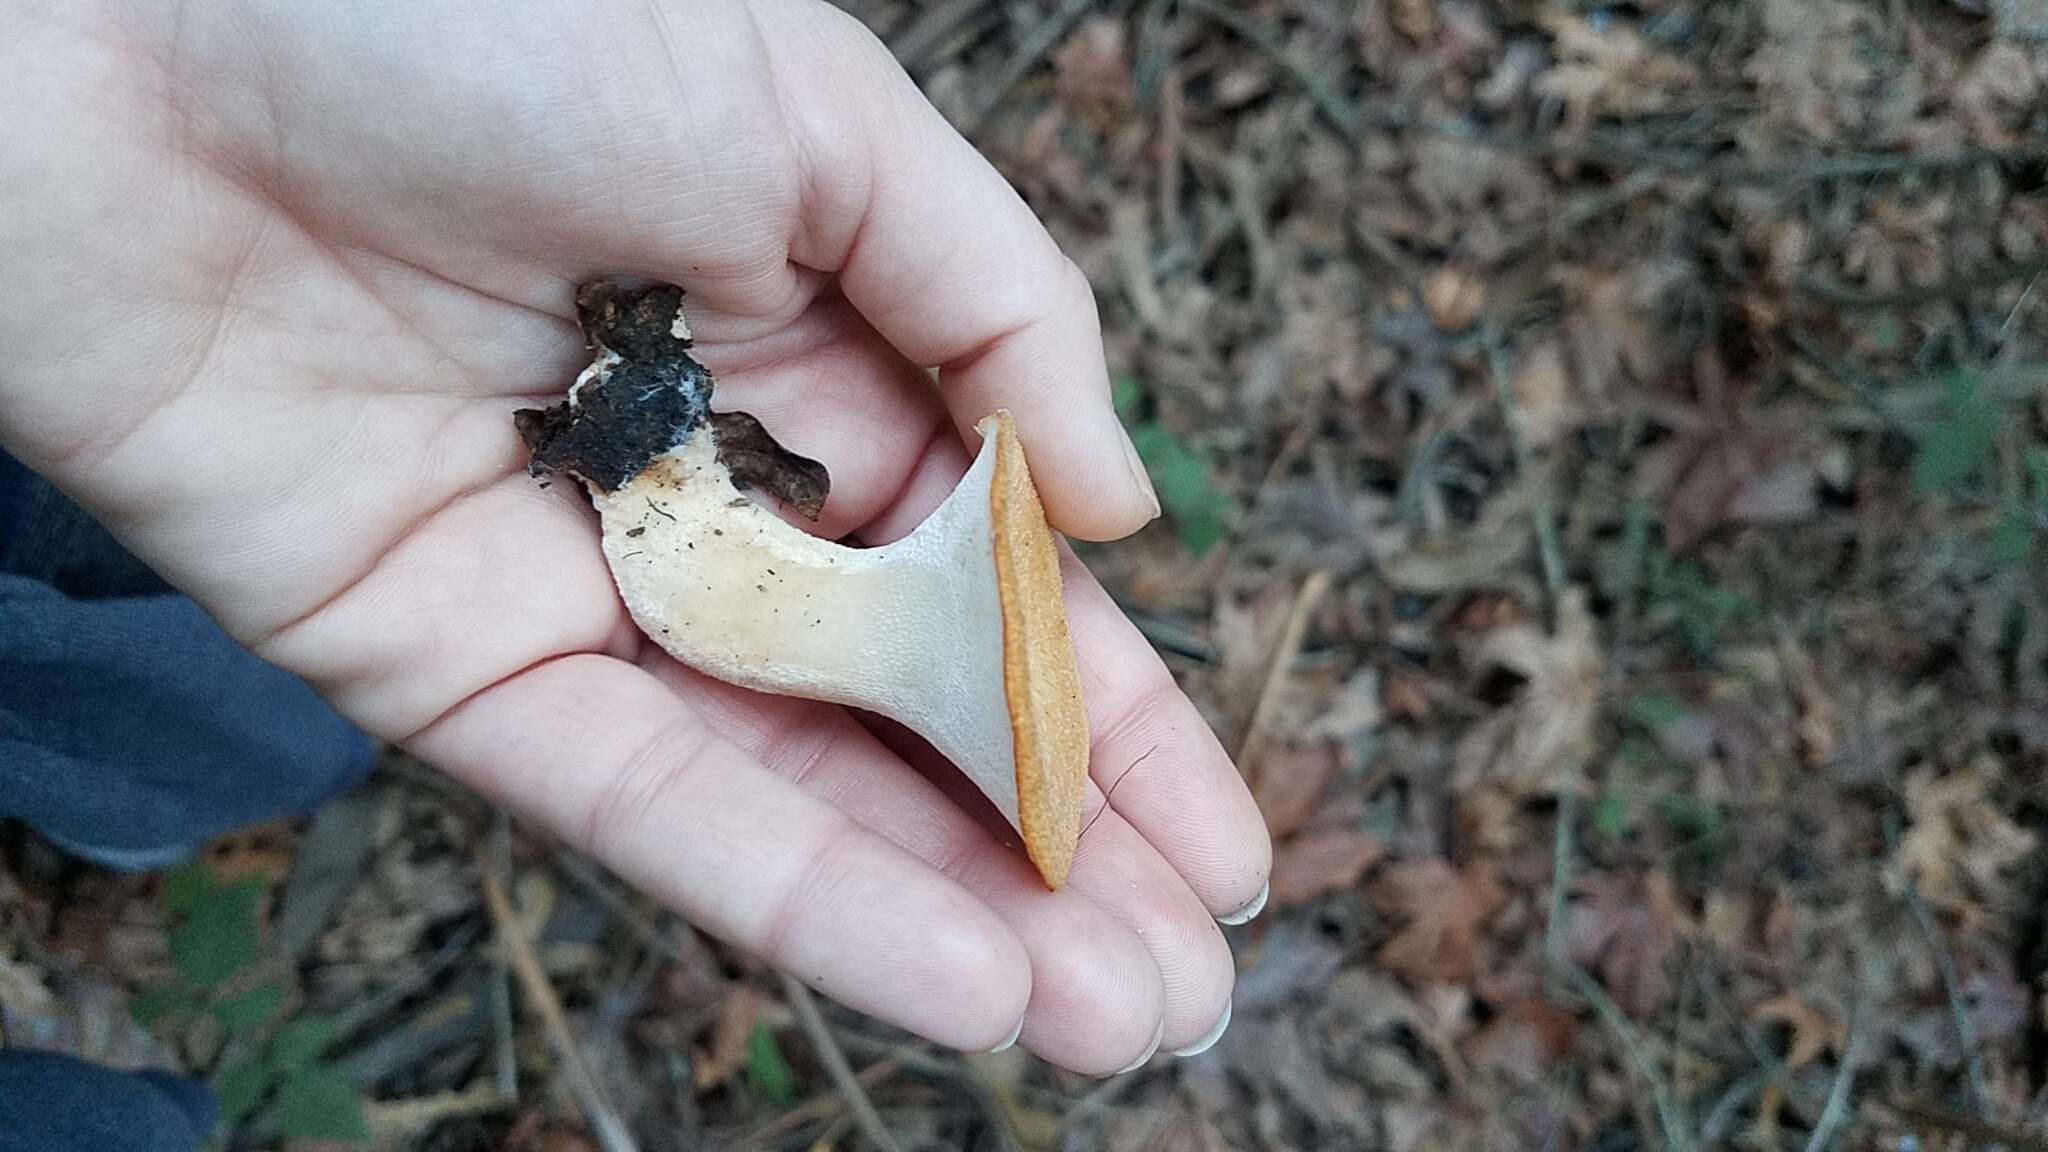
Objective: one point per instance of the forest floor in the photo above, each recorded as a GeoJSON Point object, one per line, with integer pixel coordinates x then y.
{"type": "Point", "coordinates": [1606, 457]}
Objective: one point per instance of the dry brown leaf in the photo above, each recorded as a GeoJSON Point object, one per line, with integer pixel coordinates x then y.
{"type": "Point", "coordinates": [1813, 1031]}
{"type": "Point", "coordinates": [1608, 70]}
{"type": "Point", "coordinates": [1524, 1041]}
{"type": "Point", "coordinates": [1812, 66]}
{"type": "Point", "coordinates": [1444, 909]}
{"type": "Point", "coordinates": [1526, 745]}
{"type": "Point", "coordinates": [726, 1050]}
{"type": "Point", "coordinates": [1899, 244]}
{"type": "Point", "coordinates": [1453, 298]}
{"type": "Point", "coordinates": [1957, 842]}
{"type": "Point", "coordinates": [1624, 931]}
{"type": "Point", "coordinates": [1543, 394]}
{"type": "Point", "coordinates": [1766, 471]}
{"type": "Point", "coordinates": [1291, 781]}
{"type": "Point", "coordinates": [1091, 72]}
{"type": "Point", "coordinates": [1614, 326]}
{"type": "Point", "coordinates": [1311, 864]}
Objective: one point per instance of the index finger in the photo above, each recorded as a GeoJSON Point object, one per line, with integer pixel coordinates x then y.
{"type": "Point", "coordinates": [949, 264]}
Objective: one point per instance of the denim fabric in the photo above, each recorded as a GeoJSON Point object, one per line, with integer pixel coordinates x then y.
{"type": "Point", "coordinates": [52, 1103]}
{"type": "Point", "coordinates": [131, 729]}
{"type": "Point", "coordinates": [131, 726]}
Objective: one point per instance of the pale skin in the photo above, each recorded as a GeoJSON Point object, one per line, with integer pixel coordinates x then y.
{"type": "Point", "coordinates": [277, 277]}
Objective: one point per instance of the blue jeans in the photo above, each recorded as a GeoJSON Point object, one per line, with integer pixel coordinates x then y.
{"type": "Point", "coordinates": [131, 729]}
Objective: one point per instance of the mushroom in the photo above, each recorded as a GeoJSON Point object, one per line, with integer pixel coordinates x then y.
{"type": "Point", "coordinates": [957, 631]}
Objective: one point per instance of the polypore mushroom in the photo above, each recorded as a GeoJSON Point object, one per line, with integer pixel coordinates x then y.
{"type": "Point", "coordinates": [957, 631]}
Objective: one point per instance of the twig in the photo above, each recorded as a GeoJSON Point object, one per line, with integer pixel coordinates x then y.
{"type": "Point", "coordinates": [1253, 742]}
{"type": "Point", "coordinates": [813, 1023]}
{"type": "Point", "coordinates": [1172, 100]}
{"type": "Point", "coordinates": [1837, 1108]}
{"type": "Point", "coordinates": [1563, 853]}
{"type": "Point", "coordinates": [817, 1108]}
{"type": "Point", "coordinates": [1616, 1022]}
{"type": "Point", "coordinates": [611, 1132]}
{"type": "Point", "coordinates": [584, 876]}
{"type": "Point", "coordinates": [1131, 245]}
{"type": "Point", "coordinates": [1338, 111]}
{"type": "Point", "coordinates": [1978, 1132]}
{"type": "Point", "coordinates": [1861, 166]}
{"type": "Point", "coordinates": [1167, 633]}
{"type": "Point", "coordinates": [1996, 276]}
{"type": "Point", "coordinates": [504, 1054]}
{"type": "Point", "coordinates": [1023, 58]}
{"type": "Point", "coordinates": [1248, 201]}
{"type": "Point", "coordinates": [1542, 512]}
{"type": "Point", "coordinates": [1952, 985]}
{"type": "Point", "coordinates": [932, 27]}
{"type": "Point", "coordinates": [1951, 981]}
{"type": "Point", "coordinates": [2026, 294]}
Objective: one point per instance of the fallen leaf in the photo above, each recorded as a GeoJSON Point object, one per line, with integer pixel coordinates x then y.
{"type": "Point", "coordinates": [1090, 71]}
{"type": "Point", "coordinates": [1625, 930]}
{"type": "Point", "coordinates": [1957, 842]}
{"type": "Point", "coordinates": [1290, 783]}
{"type": "Point", "coordinates": [725, 1053]}
{"type": "Point", "coordinates": [1812, 1030]}
{"type": "Point", "coordinates": [1543, 394]}
{"type": "Point", "coordinates": [1307, 866]}
{"type": "Point", "coordinates": [1763, 472]}
{"type": "Point", "coordinates": [1526, 745]}
{"type": "Point", "coordinates": [1608, 69]}
{"type": "Point", "coordinates": [1524, 1041]}
{"type": "Point", "coordinates": [1453, 298]}
{"type": "Point", "coordinates": [1355, 710]}
{"type": "Point", "coordinates": [1443, 909]}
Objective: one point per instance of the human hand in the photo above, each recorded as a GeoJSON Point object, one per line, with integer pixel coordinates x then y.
{"type": "Point", "coordinates": [281, 274]}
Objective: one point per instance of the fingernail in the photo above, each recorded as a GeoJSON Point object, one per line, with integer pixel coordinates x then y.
{"type": "Point", "coordinates": [1138, 473]}
{"type": "Point", "coordinates": [1011, 1041]}
{"type": "Point", "coordinates": [1150, 1052]}
{"type": "Point", "coordinates": [1243, 915]}
{"type": "Point", "coordinates": [1209, 1038]}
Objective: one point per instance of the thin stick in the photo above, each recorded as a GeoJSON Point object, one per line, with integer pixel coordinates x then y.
{"type": "Point", "coordinates": [1337, 110]}
{"type": "Point", "coordinates": [1951, 981]}
{"type": "Point", "coordinates": [1837, 1108]}
{"type": "Point", "coordinates": [1563, 852]}
{"type": "Point", "coordinates": [932, 27]}
{"type": "Point", "coordinates": [1543, 518]}
{"type": "Point", "coordinates": [1979, 280]}
{"type": "Point", "coordinates": [1172, 100]}
{"type": "Point", "coordinates": [504, 1055]}
{"type": "Point", "coordinates": [1616, 1022]}
{"type": "Point", "coordinates": [1981, 1132]}
{"type": "Point", "coordinates": [1312, 591]}
{"type": "Point", "coordinates": [1034, 45]}
{"type": "Point", "coordinates": [1542, 513]}
{"type": "Point", "coordinates": [1952, 985]}
{"type": "Point", "coordinates": [611, 1132]}
{"type": "Point", "coordinates": [813, 1023]}
{"type": "Point", "coordinates": [818, 1107]}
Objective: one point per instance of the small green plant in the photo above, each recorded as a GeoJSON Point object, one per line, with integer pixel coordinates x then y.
{"type": "Point", "coordinates": [768, 1074]}
{"type": "Point", "coordinates": [1700, 828]}
{"type": "Point", "coordinates": [2023, 518]}
{"type": "Point", "coordinates": [1957, 446]}
{"type": "Point", "coordinates": [1703, 610]}
{"type": "Point", "coordinates": [220, 972]}
{"type": "Point", "coordinates": [1186, 493]}
{"type": "Point", "coordinates": [1956, 451]}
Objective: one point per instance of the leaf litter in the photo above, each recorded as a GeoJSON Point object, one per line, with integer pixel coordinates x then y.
{"type": "Point", "coordinates": [1609, 860]}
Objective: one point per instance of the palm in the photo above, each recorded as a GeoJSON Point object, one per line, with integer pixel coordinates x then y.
{"type": "Point", "coordinates": [300, 317]}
